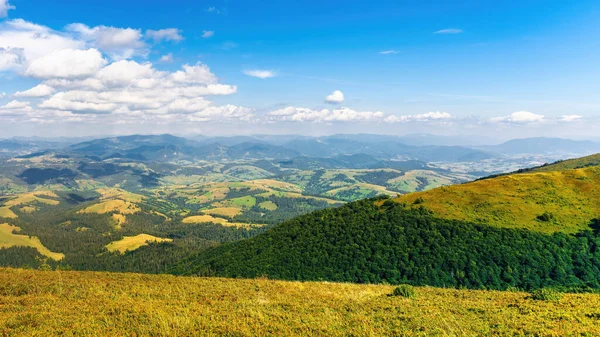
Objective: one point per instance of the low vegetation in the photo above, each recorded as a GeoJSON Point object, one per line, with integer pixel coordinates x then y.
{"type": "Point", "coordinates": [35, 303]}
{"type": "Point", "coordinates": [130, 243]}
{"type": "Point", "coordinates": [558, 201]}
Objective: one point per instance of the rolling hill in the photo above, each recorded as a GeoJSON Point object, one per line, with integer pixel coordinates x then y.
{"type": "Point", "coordinates": [525, 230]}
{"type": "Point", "coordinates": [567, 191]}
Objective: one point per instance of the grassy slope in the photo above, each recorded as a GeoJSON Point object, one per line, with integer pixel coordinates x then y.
{"type": "Point", "coordinates": [105, 304]}
{"type": "Point", "coordinates": [514, 201]}
{"type": "Point", "coordinates": [593, 160]}
{"type": "Point", "coordinates": [9, 239]}
{"type": "Point", "coordinates": [133, 242]}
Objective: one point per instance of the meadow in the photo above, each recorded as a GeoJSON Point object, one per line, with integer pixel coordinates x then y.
{"type": "Point", "coordinates": [570, 198]}
{"type": "Point", "coordinates": [67, 303]}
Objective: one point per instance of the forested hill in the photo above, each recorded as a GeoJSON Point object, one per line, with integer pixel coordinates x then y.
{"type": "Point", "coordinates": [371, 242]}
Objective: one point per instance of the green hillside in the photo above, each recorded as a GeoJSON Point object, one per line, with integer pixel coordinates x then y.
{"type": "Point", "coordinates": [374, 242]}
{"type": "Point", "coordinates": [540, 200]}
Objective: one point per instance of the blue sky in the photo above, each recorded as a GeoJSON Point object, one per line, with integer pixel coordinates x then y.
{"type": "Point", "coordinates": [499, 68]}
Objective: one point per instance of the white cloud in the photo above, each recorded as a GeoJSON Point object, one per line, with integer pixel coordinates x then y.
{"type": "Point", "coordinates": [260, 73]}
{"type": "Point", "coordinates": [335, 97]}
{"type": "Point", "coordinates": [22, 42]}
{"type": "Point", "coordinates": [570, 118]}
{"type": "Point", "coordinates": [40, 90]}
{"type": "Point", "coordinates": [429, 116]}
{"type": "Point", "coordinates": [388, 52]}
{"type": "Point", "coordinates": [15, 105]}
{"type": "Point", "coordinates": [10, 58]}
{"type": "Point", "coordinates": [319, 116]}
{"type": "Point", "coordinates": [168, 58]}
{"type": "Point", "coordinates": [449, 31]}
{"type": "Point", "coordinates": [5, 6]}
{"type": "Point", "coordinates": [124, 73]}
{"type": "Point", "coordinates": [520, 117]}
{"type": "Point", "coordinates": [2, 95]}
{"type": "Point", "coordinates": [86, 76]}
{"type": "Point", "coordinates": [67, 63]}
{"type": "Point", "coordinates": [198, 73]}
{"type": "Point", "coordinates": [121, 43]}
{"type": "Point", "coordinates": [168, 34]}
{"type": "Point", "coordinates": [207, 33]}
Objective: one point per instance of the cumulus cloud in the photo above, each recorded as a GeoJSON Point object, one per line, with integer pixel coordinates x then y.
{"type": "Point", "coordinates": [429, 116]}
{"type": "Point", "coordinates": [260, 73]}
{"type": "Point", "coordinates": [207, 33]}
{"type": "Point", "coordinates": [22, 42]}
{"type": "Point", "coordinates": [570, 118]}
{"type": "Point", "coordinates": [5, 6]}
{"type": "Point", "coordinates": [67, 63]}
{"type": "Point", "coordinates": [198, 73]}
{"type": "Point", "coordinates": [449, 31]}
{"type": "Point", "coordinates": [168, 58]}
{"type": "Point", "coordinates": [520, 117]}
{"type": "Point", "coordinates": [335, 97]}
{"type": "Point", "coordinates": [2, 94]}
{"type": "Point", "coordinates": [388, 52]}
{"type": "Point", "coordinates": [325, 115]}
{"type": "Point", "coordinates": [168, 34]}
{"type": "Point", "coordinates": [15, 105]}
{"type": "Point", "coordinates": [120, 43]}
{"type": "Point", "coordinates": [40, 90]}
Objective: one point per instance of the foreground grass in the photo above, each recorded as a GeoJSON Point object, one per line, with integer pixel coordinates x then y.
{"type": "Point", "coordinates": [35, 303]}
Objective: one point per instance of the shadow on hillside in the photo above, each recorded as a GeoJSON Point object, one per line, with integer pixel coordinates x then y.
{"type": "Point", "coordinates": [595, 226]}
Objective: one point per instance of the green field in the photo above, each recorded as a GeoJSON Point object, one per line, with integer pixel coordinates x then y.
{"type": "Point", "coordinates": [35, 303]}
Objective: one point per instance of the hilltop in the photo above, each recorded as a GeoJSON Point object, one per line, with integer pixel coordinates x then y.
{"type": "Point", "coordinates": [43, 303]}
{"type": "Point", "coordinates": [566, 192]}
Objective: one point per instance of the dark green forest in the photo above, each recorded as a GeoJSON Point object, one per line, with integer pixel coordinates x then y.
{"type": "Point", "coordinates": [365, 243]}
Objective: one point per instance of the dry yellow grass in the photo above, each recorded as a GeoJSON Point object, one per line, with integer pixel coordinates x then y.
{"type": "Point", "coordinates": [6, 212]}
{"type": "Point", "coordinates": [35, 303]}
{"type": "Point", "coordinates": [25, 200]}
{"type": "Point", "coordinates": [28, 209]}
{"type": "Point", "coordinates": [196, 219]}
{"type": "Point", "coordinates": [225, 211]}
{"type": "Point", "coordinates": [572, 196]}
{"type": "Point", "coordinates": [118, 205]}
{"type": "Point", "coordinates": [129, 243]}
{"type": "Point", "coordinates": [117, 193]}
{"type": "Point", "coordinates": [9, 239]}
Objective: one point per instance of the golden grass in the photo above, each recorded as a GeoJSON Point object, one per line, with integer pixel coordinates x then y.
{"type": "Point", "coordinates": [118, 193]}
{"type": "Point", "coordinates": [119, 220]}
{"type": "Point", "coordinates": [270, 184]}
{"type": "Point", "coordinates": [6, 212]}
{"type": "Point", "coordinates": [225, 211]}
{"type": "Point", "coordinates": [572, 196]}
{"type": "Point", "coordinates": [118, 205]}
{"type": "Point", "coordinates": [129, 243]}
{"type": "Point", "coordinates": [9, 239]}
{"type": "Point", "coordinates": [196, 219]}
{"type": "Point", "coordinates": [25, 200]}
{"type": "Point", "coordinates": [28, 209]}
{"type": "Point", "coordinates": [35, 303]}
